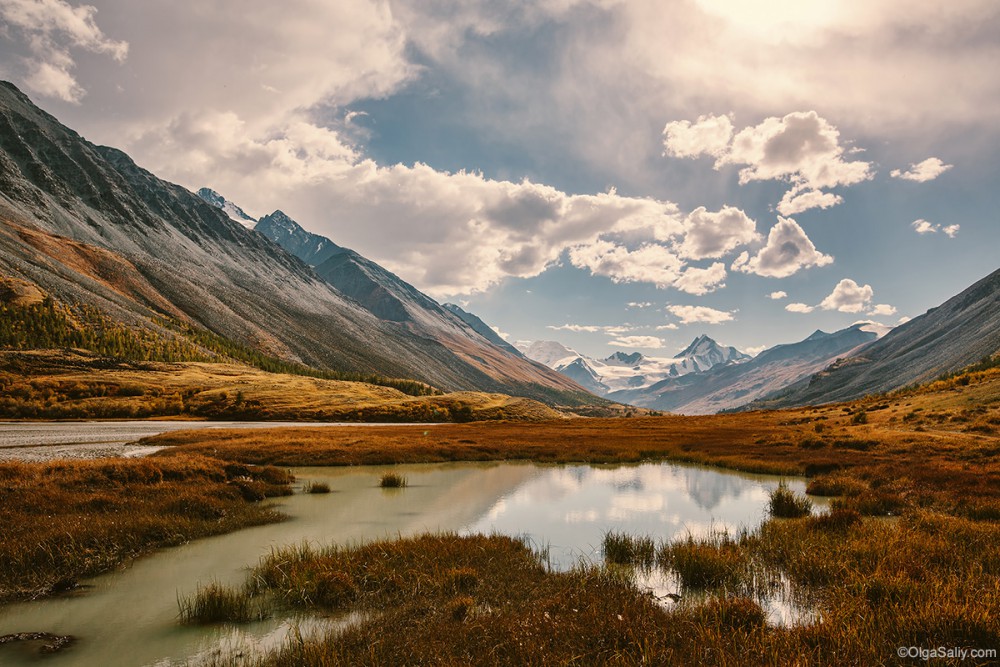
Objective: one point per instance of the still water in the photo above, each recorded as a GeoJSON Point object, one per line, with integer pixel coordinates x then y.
{"type": "Point", "coordinates": [129, 618]}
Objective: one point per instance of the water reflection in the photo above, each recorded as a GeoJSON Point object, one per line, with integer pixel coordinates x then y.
{"type": "Point", "coordinates": [130, 617]}
{"type": "Point", "coordinates": [568, 509]}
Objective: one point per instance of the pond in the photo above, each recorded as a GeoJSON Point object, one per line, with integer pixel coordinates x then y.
{"type": "Point", "coordinates": [129, 617]}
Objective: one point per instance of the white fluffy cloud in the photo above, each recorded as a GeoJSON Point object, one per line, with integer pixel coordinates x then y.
{"type": "Point", "coordinates": [709, 234]}
{"type": "Point", "coordinates": [700, 314]}
{"type": "Point", "coordinates": [709, 135]}
{"type": "Point", "coordinates": [650, 342]}
{"type": "Point", "coordinates": [799, 308]}
{"type": "Point", "coordinates": [51, 30]}
{"type": "Point", "coordinates": [848, 297]}
{"type": "Point", "coordinates": [922, 172]}
{"type": "Point", "coordinates": [882, 309]}
{"type": "Point", "coordinates": [801, 148]}
{"type": "Point", "coordinates": [924, 227]}
{"type": "Point", "coordinates": [786, 251]}
{"type": "Point", "coordinates": [777, 295]}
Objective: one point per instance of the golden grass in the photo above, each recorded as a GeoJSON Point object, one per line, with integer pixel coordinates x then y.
{"type": "Point", "coordinates": [879, 586]}
{"type": "Point", "coordinates": [70, 519]}
{"type": "Point", "coordinates": [909, 554]}
{"type": "Point", "coordinates": [935, 458]}
{"type": "Point", "coordinates": [76, 385]}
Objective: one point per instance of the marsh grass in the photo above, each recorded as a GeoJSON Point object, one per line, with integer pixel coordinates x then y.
{"type": "Point", "coordinates": [392, 480]}
{"type": "Point", "coordinates": [785, 503]}
{"type": "Point", "coordinates": [215, 604]}
{"type": "Point", "coordinates": [924, 579]}
{"type": "Point", "coordinates": [624, 549]}
{"type": "Point", "coordinates": [66, 520]}
{"type": "Point", "coordinates": [712, 562]}
{"type": "Point", "coordinates": [316, 487]}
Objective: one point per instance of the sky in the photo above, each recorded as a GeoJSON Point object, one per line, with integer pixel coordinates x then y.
{"type": "Point", "coordinates": [611, 174]}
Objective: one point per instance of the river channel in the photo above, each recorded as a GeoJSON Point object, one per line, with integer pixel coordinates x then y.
{"type": "Point", "coordinates": [129, 617]}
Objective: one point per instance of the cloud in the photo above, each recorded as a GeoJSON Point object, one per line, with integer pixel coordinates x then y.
{"type": "Point", "coordinates": [702, 281]}
{"type": "Point", "coordinates": [709, 135]}
{"type": "Point", "coordinates": [800, 148]}
{"type": "Point", "coordinates": [712, 235]}
{"type": "Point", "coordinates": [592, 328]}
{"type": "Point", "coordinates": [787, 251]}
{"type": "Point", "coordinates": [922, 172]}
{"type": "Point", "coordinates": [639, 304]}
{"type": "Point", "coordinates": [848, 297]}
{"type": "Point", "coordinates": [651, 342]}
{"type": "Point", "coordinates": [924, 227]}
{"type": "Point", "coordinates": [48, 30]}
{"type": "Point", "coordinates": [799, 308]}
{"type": "Point", "coordinates": [650, 263]}
{"type": "Point", "coordinates": [796, 201]}
{"type": "Point", "coordinates": [872, 326]}
{"type": "Point", "coordinates": [755, 350]}
{"type": "Point", "coordinates": [882, 309]}
{"type": "Point", "coordinates": [777, 295]}
{"type": "Point", "coordinates": [702, 314]}
{"type": "Point", "coordinates": [502, 334]}
{"type": "Point", "coordinates": [667, 327]}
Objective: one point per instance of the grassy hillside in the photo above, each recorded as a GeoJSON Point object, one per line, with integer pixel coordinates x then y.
{"type": "Point", "coordinates": [74, 384]}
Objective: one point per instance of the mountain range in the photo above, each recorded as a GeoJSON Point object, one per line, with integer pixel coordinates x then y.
{"type": "Point", "coordinates": [963, 330]}
{"type": "Point", "coordinates": [705, 377]}
{"type": "Point", "coordinates": [83, 226]}
{"type": "Point", "coordinates": [86, 225]}
{"type": "Point", "coordinates": [630, 372]}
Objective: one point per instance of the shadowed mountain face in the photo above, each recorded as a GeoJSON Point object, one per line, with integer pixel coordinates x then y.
{"type": "Point", "coordinates": [86, 225]}
{"type": "Point", "coordinates": [961, 331]}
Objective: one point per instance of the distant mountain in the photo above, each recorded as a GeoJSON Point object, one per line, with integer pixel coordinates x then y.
{"type": "Point", "coordinates": [481, 328]}
{"type": "Point", "coordinates": [961, 331]}
{"type": "Point", "coordinates": [730, 386]}
{"type": "Point", "coordinates": [629, 374]}
{"type": "Point", "coordinates": [88, 226]}
{"type": "Point", "coordinates": [235, 213]}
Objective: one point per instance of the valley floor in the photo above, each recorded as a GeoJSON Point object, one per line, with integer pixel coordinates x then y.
{"type": "Point", "coordinates": [909, 556]}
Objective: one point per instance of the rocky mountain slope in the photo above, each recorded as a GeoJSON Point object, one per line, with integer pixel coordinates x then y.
{"type": "Point", "coordinates": [88, 226]}
{"type": "Point", "coordinates": [400, 304]}
{"type": "Point", "coordinates": [959, 332]}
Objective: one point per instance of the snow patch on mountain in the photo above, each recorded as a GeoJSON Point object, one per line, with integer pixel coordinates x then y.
{"type": "Point", "coordinates": [623, 370]}
{"type": "Point", "coordinates": [234, 212]}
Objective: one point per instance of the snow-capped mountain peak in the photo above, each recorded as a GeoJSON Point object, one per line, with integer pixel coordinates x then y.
{"type": "Point", "coordinates": [623, 370]}
{"type": "Point", "coordinates": [234, 212]}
